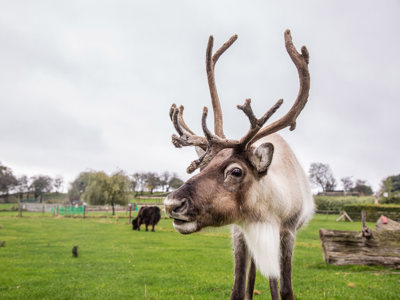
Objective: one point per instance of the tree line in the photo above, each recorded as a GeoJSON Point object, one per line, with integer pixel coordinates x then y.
{"type": "Point", "coordinates": [321, 176]}
{"type": "Point", "coordinates": [98, 188]}
{"type": "Point", "coordinates": [94, 187]}
{"type": "Point", "coordinates": [34, 186]}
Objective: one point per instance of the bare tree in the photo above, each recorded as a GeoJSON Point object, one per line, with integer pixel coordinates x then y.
{"type": "Point", "coordinates": [58, 183]}
{"type": "Point", "coordinates": [41, 184]}
{"type": "Point", "coordinates": [152, 181]}
{"type": "Point", "coordinates": [321, 176]}
{"type": "Point", "coordinates": [22, 186]}
{"type": "Point", "coordinates": [138, 180]}
{"type": "Point", "coordinates": [347, 183]}
{"type": "Point", "coordinates": [165, 177]}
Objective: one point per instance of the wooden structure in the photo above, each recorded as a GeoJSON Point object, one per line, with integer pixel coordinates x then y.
{"type": "Point", "coordinates": [366, 247]}
{"type": "Point", "coordinates": [344, 216]}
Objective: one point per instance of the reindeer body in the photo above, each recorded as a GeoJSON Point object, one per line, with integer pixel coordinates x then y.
{"type": "Point", "coordinates": [282, 201]}
{"type": "Point", "coordinates": [254, 183]}
{"type": "Point", "coordinates": [262, 207]}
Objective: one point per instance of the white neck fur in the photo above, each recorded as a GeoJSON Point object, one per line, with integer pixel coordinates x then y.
{"type": "Point", "coordinates": [263, 241]}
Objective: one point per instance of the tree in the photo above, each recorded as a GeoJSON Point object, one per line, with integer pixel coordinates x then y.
{"type": "Point", "coordinates": [41, 184]}
{"type": "Point", "coordinates": [58, 182]}
{"type": "Point", "coordinates": [347, 183]}
{"type": "Point", "coordinates": [152, 181]}
{"type": "Point", "coordinates": [321, 175]}
{"type": "Point", "coordinates": [78, 186]}
{"type": "Point", "coordinates": [164, 180]}
{"type": "Point", "coordinates": [103, 189]}
{"type": "Point", "coordinates": [22, 186]}
{"type": "Point", "coordinates": [138, 179]}
{"type": "Point", "coordinates": [362, 188]}
{"type": "Point", "coordinates": [118, 189]}
{"type": "Point", "coordinates": [391, 185]}
{"type": "Point", "coordinates": [175, 182]}
{"type": "Point", "coordinates": [7, 181]}
{"type": "Point", "coordinates": [95, 191]}
{"type": "Point", "coordinates": [132, 183]}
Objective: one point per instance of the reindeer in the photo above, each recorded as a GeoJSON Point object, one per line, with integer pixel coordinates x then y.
{"type": "Point", "coordinates": [255, 183]}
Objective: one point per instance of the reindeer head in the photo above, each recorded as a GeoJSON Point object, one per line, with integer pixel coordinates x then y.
{"type": "Point", "coordinates": [229, 169]}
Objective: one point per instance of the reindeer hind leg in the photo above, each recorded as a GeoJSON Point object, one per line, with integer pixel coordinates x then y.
{"type": "Point", "coordinates": [251, 280]}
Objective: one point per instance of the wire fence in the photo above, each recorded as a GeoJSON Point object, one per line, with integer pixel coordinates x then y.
{"type": "Point", "coordinates": [83, 211]}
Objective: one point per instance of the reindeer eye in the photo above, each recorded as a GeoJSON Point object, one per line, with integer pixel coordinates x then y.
{"type": "Point", "coordinates": [236, 172]}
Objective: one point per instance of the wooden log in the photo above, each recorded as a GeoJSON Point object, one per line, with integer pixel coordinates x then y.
{"type": "Point", "coordinates": [352, 248]}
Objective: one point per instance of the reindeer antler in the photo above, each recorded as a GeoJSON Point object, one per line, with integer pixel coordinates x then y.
{"type": "Point", "coordinates": [301, 62]}
{"type": "Point", "coordinates": [211, 60]}
{"type": "Point", "coordinates": [214, 143]}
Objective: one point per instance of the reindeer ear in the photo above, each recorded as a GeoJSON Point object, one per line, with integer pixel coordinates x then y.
{"type": "Point", "coordinates": [261, 157]}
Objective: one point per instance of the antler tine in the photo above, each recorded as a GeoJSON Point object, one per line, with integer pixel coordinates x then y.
{"type": "Point", "coordinates": [179, 122]}
{"type": "Point", "coordinates": [301, 63]}
{"type": "Point", "coordinates": [211, 60]}
{"type": "Point", "coordinates": [182, 122]}
{"type": "Point", "coordinates": [186, 136]}
{"type": "Point", "coordinates": [171, 110]}
{"type": "Point", "coordinates": [215, 144]}
{"type": "Point", "coordinates": [255, 124]}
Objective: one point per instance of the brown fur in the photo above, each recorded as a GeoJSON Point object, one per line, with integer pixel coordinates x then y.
{"type": "Point", "coordinates": [215, 197]}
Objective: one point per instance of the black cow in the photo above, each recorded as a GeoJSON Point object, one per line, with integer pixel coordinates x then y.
{"type": "Point", "coordinates": [148, 215]}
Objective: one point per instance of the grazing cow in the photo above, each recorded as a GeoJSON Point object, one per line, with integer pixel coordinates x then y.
{"type": "Point", "coordinates": [148, 215]}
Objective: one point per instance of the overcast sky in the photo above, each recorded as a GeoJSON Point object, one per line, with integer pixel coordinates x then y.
{"type": "Point", "coordinates": [88, 84]}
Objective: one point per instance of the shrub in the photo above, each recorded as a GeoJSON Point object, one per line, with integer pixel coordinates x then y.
{"type": "Point", "coordinates": [390, 200]}
{"type": "Point", "coordinates": [373, 211]}
{"type": "Point", "coordinates": [336, 204]}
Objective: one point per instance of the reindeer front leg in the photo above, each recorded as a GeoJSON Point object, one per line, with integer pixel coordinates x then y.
{"type": "Point", "coordinates": [287, 244]}
{"type": "Point", "coordinates": [241, 260]}
{"type": "Point", "coordinates": [273, 287]}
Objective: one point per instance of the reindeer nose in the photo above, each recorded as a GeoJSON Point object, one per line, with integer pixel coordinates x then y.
{"type": "Point", "coordinates": [175, 207]}
{"type": "Point", "coordinates": [180, 208]}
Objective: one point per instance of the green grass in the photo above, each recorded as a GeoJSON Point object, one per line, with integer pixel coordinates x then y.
{"type": "Point", "coordinates": [117, 263]}
{"type": "Point", "coordinates": [8, 206]}
{"type": "Point", "coordinates": [147, 200]}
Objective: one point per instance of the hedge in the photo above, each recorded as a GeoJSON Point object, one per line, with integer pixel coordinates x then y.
{"type": "Point", "coordinates": [391, 200]}
{"type": "Point", "coordinates": [337, 203]}
{"type": "Point", "coordinates": [373, 211]}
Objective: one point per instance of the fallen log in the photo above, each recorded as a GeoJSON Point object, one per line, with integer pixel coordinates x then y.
{"type": "Point", "coordinates": [382, 247]}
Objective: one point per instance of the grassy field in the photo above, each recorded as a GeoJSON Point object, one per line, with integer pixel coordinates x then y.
{"type": "Point", "coordinates": [116, 263]}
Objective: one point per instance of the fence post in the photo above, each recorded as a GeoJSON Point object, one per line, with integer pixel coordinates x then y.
{"type": "Point", "coordinates": [20, 210]}
{"type": "Point", "coordinates": [42, 209]}
{"type": "Point", "coordinates": [84, 210]}
{"type": "Point", "coordinates": [130, 212]}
